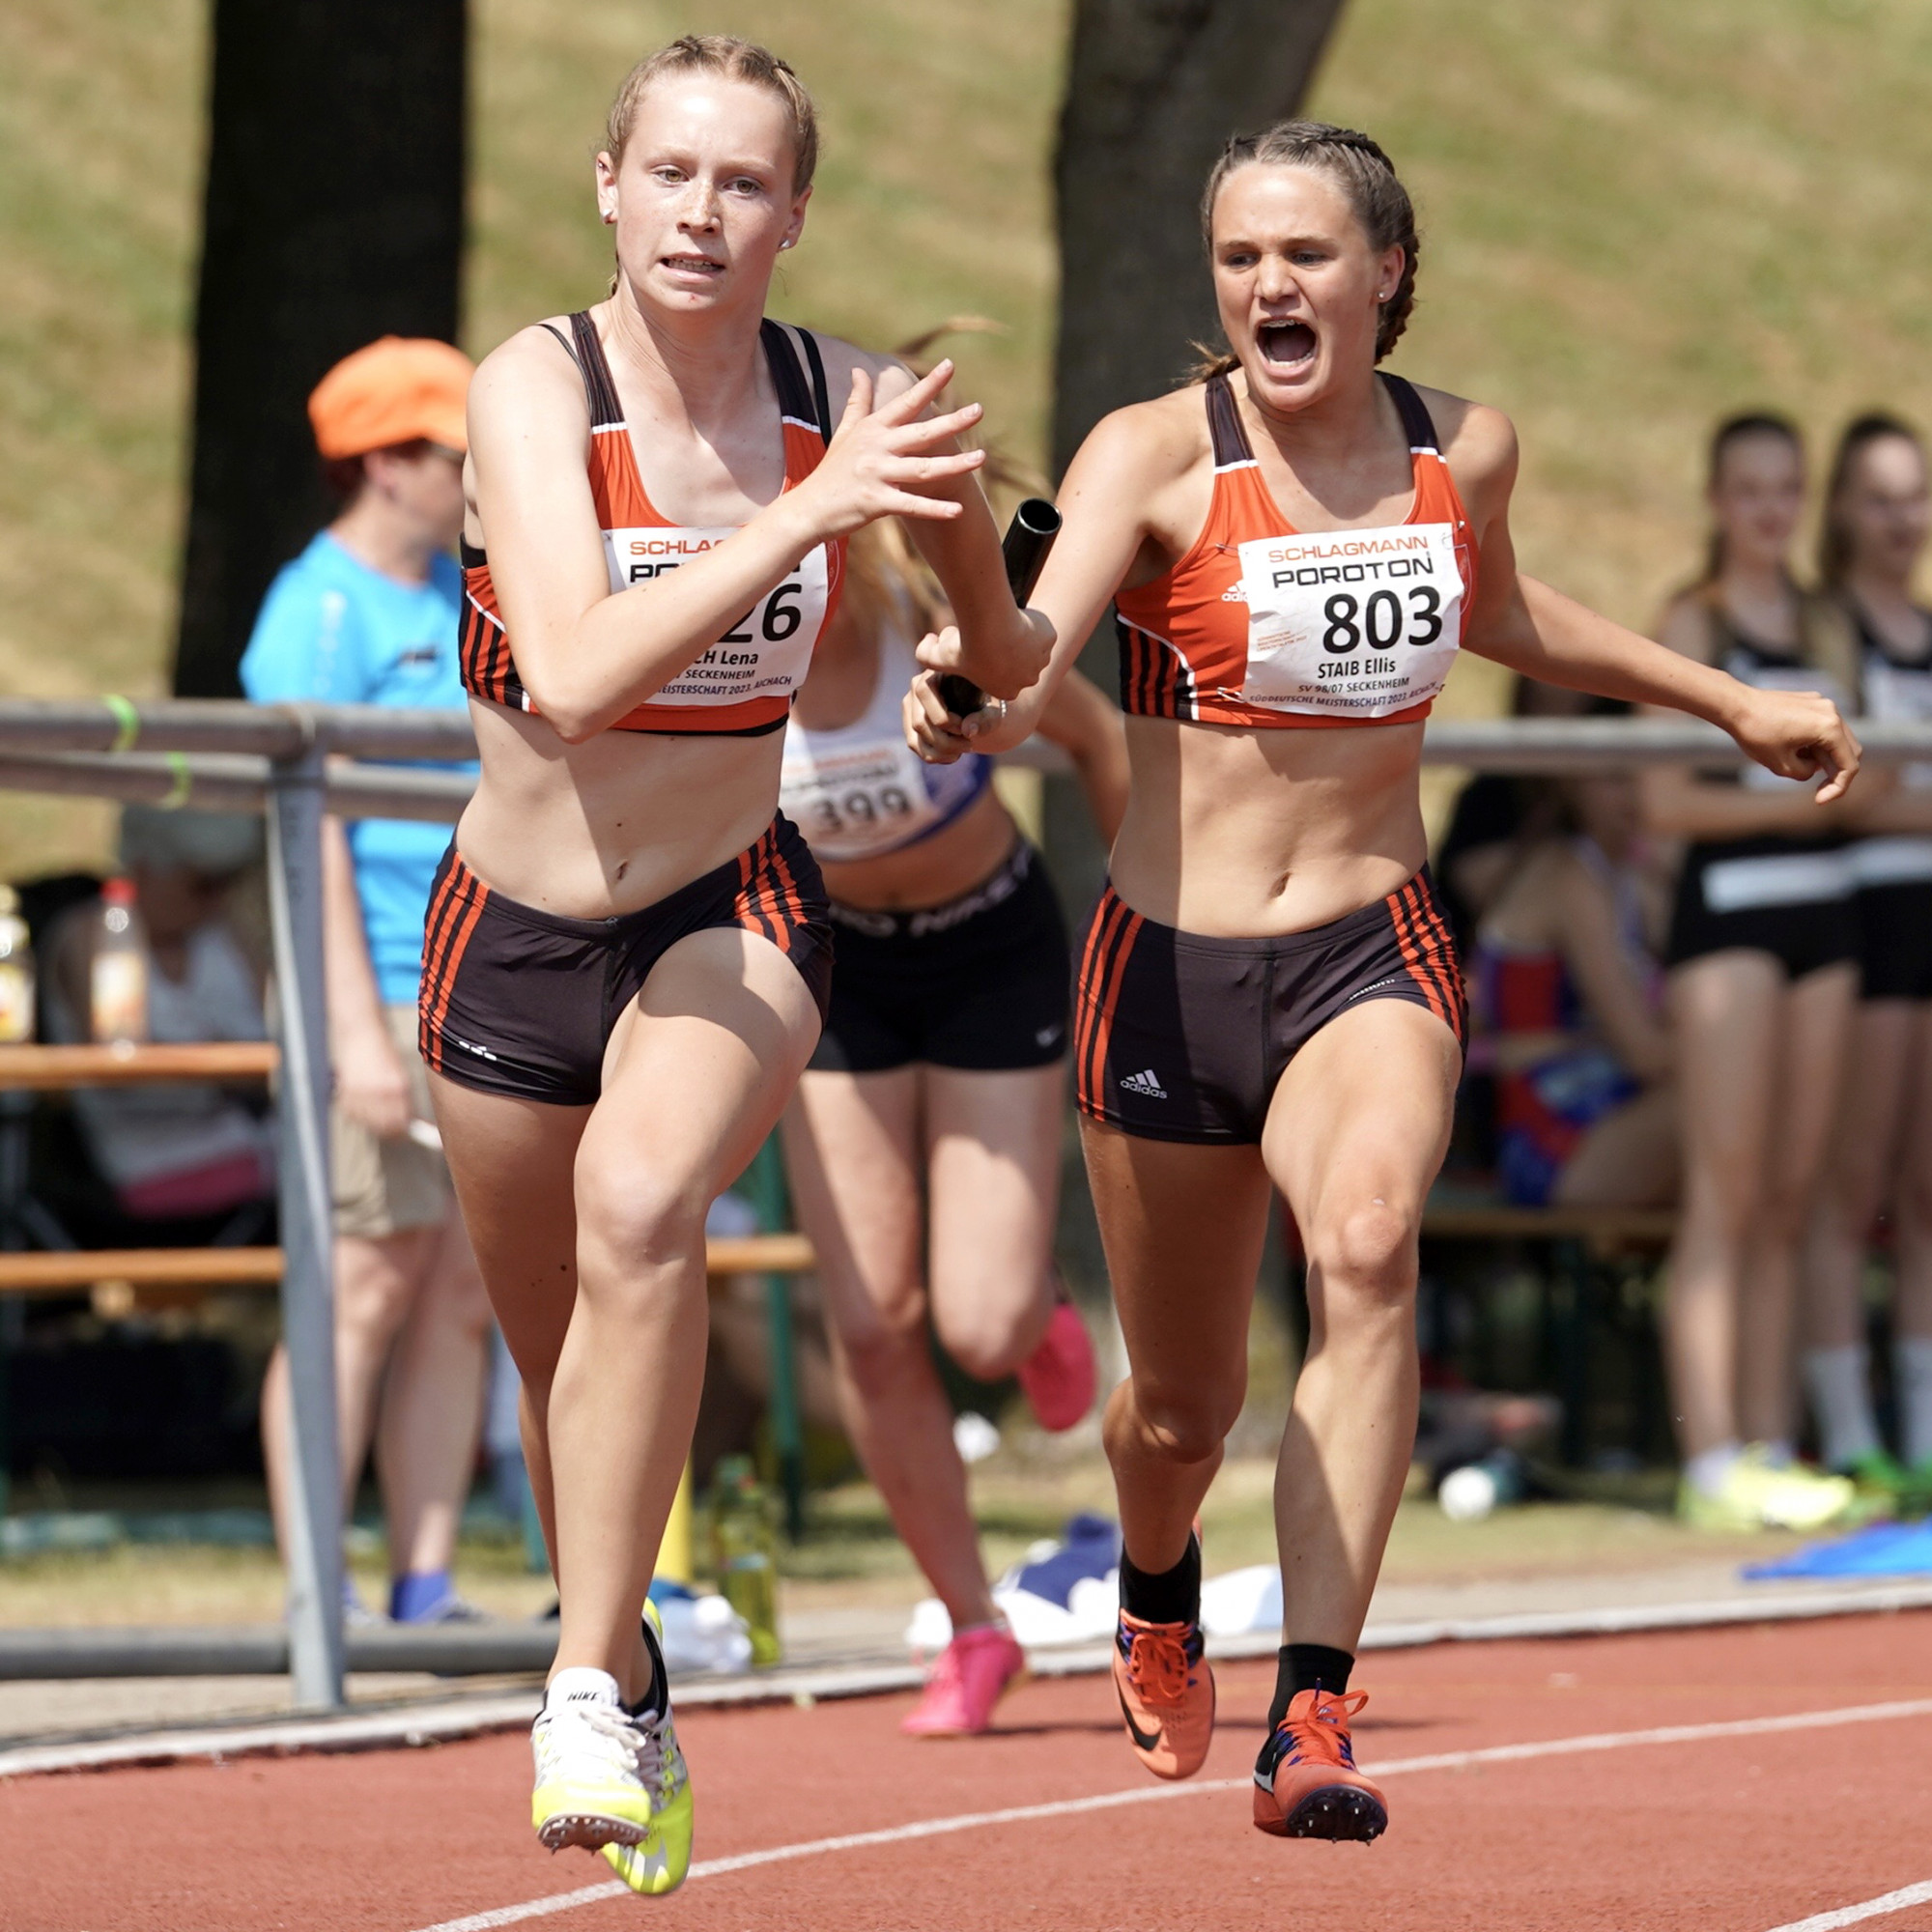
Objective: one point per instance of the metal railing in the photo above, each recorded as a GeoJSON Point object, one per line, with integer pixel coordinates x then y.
{"type": "Point", "coordinates": [296, 762]}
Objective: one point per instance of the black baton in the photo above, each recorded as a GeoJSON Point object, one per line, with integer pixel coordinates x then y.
{"type": "Point", "coordinates": [1028, 539]}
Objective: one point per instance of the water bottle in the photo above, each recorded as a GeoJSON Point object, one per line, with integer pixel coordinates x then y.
{"type": "Point", "coordinates": [743, 1553]}
{"type": "Point", "coordinates": [118, 970]}
{"type": "Point", "coordinates": [1469, 1493]}
{"type": "Point", "coordinates": [17, 972]}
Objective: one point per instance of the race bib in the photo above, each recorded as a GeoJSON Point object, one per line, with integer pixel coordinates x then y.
{"type": "Point", "coordinates": [765, 653]}
{"type": "Point", "coordinates": [1901, 691]}
{"type": "Point", "coordinates": [1359, 623]}
{"type": "Point", "coordinates": [858, 802]}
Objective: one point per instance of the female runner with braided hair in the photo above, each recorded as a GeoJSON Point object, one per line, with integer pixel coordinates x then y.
{"type": "Point", "coordinates": [1296, 547]}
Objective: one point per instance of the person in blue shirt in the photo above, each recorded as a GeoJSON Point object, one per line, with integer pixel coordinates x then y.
{"type": "Point", "coordinates": [367, 614]}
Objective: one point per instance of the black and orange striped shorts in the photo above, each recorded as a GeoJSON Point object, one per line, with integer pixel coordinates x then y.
{"type": "Point", "coordinates": [521, 1002]}
{"type": "Point", "coordinates": [1181, 1035]}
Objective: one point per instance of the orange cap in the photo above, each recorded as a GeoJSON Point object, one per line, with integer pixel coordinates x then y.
{"type": "Point", "coordinates": [398, 389]}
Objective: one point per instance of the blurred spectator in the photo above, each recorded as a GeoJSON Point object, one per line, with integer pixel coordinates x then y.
{"type": "Point", "coordinates": [367, 614]}
{"type": "Point", "coordinates": [1763, 979]}
{"type": "Point", "coordinates": [1566, 993]}
{"type": "Point", "coordinates": [1495, 813]}
{"type": "Point", "coordinates": [1876, 517]}
{"type": "Point", "coordinates": [184, 1149]}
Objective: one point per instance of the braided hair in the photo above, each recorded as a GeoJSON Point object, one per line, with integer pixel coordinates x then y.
{"type": "Point", "coordinates": [1355, 162]}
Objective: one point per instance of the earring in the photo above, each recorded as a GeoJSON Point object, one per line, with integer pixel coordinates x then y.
{"type": "Point", "coordinates": [786, 242]}
{"type": "Point", "coordinates": [610, 218]}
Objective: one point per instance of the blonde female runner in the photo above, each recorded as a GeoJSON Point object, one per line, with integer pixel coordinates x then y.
{"type": "Point", "coordinates": [1298, 547]}
{"type": "Point", "coordinates": [627, 955]}
{"type": "Point", "coordinates": [925, 1141]}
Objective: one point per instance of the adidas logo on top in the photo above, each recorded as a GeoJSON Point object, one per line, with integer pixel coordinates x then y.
{"type": "Point", "coordinates": [1144, 1083]}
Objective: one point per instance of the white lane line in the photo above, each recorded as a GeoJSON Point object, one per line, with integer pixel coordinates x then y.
{"type": "Point", "coordinates": [1852, 1915]}
{"type": "Point", "coordinates": [1153, 1794]}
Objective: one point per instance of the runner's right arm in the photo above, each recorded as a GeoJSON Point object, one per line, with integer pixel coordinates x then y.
{"type": "Point", "coordinates": [587, 655]}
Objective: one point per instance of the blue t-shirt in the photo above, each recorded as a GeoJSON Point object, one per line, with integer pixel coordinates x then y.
{"type": "Point", "coordinates": [332, 630]}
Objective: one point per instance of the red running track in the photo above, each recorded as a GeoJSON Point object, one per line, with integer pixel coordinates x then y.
{"type": "Point", "coordinates": [1782, 1824]}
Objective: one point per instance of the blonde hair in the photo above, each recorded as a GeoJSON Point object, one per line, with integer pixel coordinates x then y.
{"type": "Point", "coordinates": [886, 578]}
{"type": "Point", "coordinates": [731, 59]}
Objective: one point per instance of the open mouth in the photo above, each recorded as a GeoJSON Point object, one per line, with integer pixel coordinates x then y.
{"type": "Point", "coordinates": [692, 264]}
{"type": "Point", "coordinates": [1285, 345]}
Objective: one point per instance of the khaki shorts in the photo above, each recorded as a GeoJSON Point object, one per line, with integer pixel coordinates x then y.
{"type": "Point", "coordinates": [388, 1187]}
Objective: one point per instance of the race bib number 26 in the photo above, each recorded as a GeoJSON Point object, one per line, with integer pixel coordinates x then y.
{"type": "Point", "coordinates": [1358, 623]}
{"type": "Point", "coordinates": [765, 653]}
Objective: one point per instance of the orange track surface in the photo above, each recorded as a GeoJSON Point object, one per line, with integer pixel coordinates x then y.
{"type": "Point", "coordinates": [1721, 1835]}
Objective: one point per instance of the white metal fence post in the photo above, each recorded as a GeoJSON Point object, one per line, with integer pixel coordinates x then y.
{"type": "Point", "coordinates": [308, 1293]}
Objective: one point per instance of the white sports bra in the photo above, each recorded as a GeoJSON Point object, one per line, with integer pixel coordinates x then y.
{"type": "Point", "coordinates": [860, 790]}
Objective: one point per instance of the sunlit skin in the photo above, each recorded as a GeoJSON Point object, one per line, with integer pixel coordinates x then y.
{"type": "Point", "coordinates": [588, 1222]}
{"type": "Point", "coordinates": [1237, 832]}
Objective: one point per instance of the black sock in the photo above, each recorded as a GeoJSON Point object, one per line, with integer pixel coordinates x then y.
{"type": "Point", "coordinates": [1306, 1667]}
{"type": "Point", "coordinates": [1168, 1596]}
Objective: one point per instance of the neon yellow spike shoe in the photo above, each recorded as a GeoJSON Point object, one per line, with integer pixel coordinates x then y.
{"type": "Point", "coordinates": [1756, 1494]}
{"type": "Point", "coordinates": [613, 1780]}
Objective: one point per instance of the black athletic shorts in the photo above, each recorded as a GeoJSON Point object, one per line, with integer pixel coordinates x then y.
{"type": "Point", "coordinates": [979, 983]}
{"type": "Point", "coordinates": [1895, 941]}
{"type": "Point", "coordinates": [1182, 1036]}
{"type": "Point", "coordinates": [521, 1002]}
{"type": "Point", "coordinates": [1790, 898]}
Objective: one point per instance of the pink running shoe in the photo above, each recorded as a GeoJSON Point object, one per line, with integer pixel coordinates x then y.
{"type": "Point", "coordinates": [973, 1670]}
{"type": "Point", "coordinates": [1058, 1376]}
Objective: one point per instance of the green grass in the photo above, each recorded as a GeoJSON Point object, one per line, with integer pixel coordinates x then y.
{"type": "Point", "coordinates": [1636, 217]}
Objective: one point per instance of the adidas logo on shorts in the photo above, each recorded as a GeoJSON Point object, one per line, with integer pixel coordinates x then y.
{"type": "Point", "coordinates": [1144, 1083]}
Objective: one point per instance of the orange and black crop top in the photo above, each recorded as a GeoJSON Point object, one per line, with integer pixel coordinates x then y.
{"type": "Point", "coordinates": [745, 683]}
{"type": "Point", "coordinates": [1261, 624]}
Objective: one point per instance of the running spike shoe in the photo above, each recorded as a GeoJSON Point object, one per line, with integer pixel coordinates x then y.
{"type": "Point", "coordinates": [1757, 1493]}
{"type": "Point", "coordinates": [1167, 1694]}
{"type": "Point", "coordinates": [968, 1679]}
{"type": "Point", "coordinates": [1306, 1785]}
{"type": "Point", "coordinates": [613, 1778]}
{"type": "Point", "coordinates": [1058, 1378]}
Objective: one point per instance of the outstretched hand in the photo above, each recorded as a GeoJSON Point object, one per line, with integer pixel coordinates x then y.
{"type": "Point", "coordinates": [884, 461]}
{"type": "Point", "coordinates": [1800, 735]}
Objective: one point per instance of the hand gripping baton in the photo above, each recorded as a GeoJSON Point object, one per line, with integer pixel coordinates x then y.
{"type": "Point", "coordinates": [1028, 539]}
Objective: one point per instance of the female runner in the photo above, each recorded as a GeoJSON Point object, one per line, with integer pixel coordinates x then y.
{"type": "Point", "coordinates": [925, 1140]}
{"type": "Point", "coordinates": [1763, 979]}
{"type": "Point", "coordinates": [627, 953]}
{"type": "Point", "coordinates": [1877, 512]}
{"type": "Point", "coordinates": [1267, 997]}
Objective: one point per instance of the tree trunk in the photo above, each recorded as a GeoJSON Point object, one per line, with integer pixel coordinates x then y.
{"type": "Point", "coordinates": [334, 215]}
{"type": "Point", "coordinates": [1156, 87]}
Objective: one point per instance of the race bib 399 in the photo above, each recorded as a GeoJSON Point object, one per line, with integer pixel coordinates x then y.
{"type": "Point", "coordinates": [1355, 623]}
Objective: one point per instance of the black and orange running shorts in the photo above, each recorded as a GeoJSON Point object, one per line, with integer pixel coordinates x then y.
{"type": "Point", "coordinates": [521, 1002]}
{"type": "Point", "coordinates": [1182, 1035]}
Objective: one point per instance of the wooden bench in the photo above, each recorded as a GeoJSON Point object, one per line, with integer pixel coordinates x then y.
{"type": "Point", "coordinates": [180, 1275]}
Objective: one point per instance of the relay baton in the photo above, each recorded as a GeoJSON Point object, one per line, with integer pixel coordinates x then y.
{"type": "Point", "coordinates": [1028, 539]}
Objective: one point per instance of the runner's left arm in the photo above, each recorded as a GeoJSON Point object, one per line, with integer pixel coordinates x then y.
{"type": "Point", "coordinates": [1537, 631]}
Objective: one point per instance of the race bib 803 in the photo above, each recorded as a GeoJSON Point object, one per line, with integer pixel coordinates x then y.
{"type": "Point", "coordinates": [1359, 623]}
{"type": "Point", "coordinates": [765, 653]}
